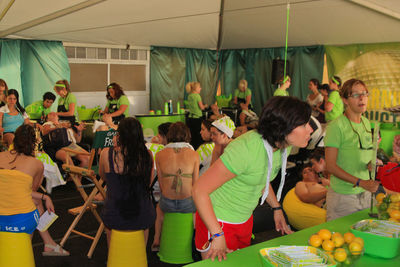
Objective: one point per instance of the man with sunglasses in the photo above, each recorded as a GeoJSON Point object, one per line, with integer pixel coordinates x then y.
{"type": "Point", "coordinates": [348, 150]}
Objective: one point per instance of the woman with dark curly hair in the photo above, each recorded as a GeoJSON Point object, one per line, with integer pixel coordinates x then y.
{"type": "Point", "coordinates": [229, 191]}
{"type": "Point", "coordinates": [127, 168]}
{"type": "Point", "coordinates": [117, 103]}
{"type": "Point", "coordinates": [20, 176]}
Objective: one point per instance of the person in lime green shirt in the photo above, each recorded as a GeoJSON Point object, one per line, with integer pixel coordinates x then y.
{"type": "Point", "coordinates": [196, 107]}
{"type": "Point", "coordinates": [66, 109]}
{"type": "Point", "coordinates": [42, 106]}
{"type": "Point", "coordinates": [117, 103]}
{"type": "Point", "coordinates": [230, 190]}
{"type": "Point", "coordinates": [242, 94]}
{"type": "Point", "coordinates": [348, 151]}
{"type": "Point", "coordinates": [333, 102]}
{"type": "Point", "coordinates": [283, 87]}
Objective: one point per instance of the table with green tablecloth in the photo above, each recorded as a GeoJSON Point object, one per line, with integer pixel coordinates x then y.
{"type": "Point", "coordinates": [250, 256]}
{"type": "Point", "coordinates": [150, 122]}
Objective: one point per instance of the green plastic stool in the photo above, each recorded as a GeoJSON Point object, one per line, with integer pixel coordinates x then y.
{"type": "Point", "coordinates": [176, 238]}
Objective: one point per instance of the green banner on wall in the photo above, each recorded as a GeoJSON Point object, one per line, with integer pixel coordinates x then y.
{"type": "Point", "coordinates": [378, 65]}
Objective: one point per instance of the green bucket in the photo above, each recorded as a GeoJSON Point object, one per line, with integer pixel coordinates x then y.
{"type": "Point", "coordinates": [88, 114]}
{"type": "Point", "coordinates": [176, 238]}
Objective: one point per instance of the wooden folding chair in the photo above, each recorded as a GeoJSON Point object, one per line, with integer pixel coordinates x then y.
{"type": "Point", "coordinates": [102, 139]}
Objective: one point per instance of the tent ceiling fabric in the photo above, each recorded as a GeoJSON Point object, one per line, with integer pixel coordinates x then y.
{"type": "Point", "coordinates": [194, 24]}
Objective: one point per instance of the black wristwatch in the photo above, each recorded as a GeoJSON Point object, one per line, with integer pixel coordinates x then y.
{"type": "Point", "coordinates": [277, 208]}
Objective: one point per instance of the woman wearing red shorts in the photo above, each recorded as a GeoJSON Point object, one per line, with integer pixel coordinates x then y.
{"type": "Point", "coordinates": [229, 191]}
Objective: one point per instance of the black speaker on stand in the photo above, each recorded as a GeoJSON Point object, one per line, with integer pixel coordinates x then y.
{"type": "Point", "coordinates": [278, 66]}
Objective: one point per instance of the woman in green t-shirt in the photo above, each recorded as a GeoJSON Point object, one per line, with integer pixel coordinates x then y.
{"type": "Point", "coordinates": [229, 191]}
{"type": "Point", "coordinates": [66, 103]}
{"type": "Point", "coordinates": [284, 84]}
{"type": "Point", "coordinates": [221, 134]}
{"type": "Point", "coordinates": [117, 103]}
{"type": "Point", "coordinates": [242, 94]}
{"type": "Point", "coordinates": [348, 150]}
{"type": "Point", "coordinates": [196, 107]}
{"type": "Point", "coordinates": [333, 102]}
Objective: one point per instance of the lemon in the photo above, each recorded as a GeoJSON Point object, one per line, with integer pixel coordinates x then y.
{"type": "Point", "coordinates": [359, 240]}
{"type": "Point", "coordinates": [380, 197]}
{"type": "Point", "coordinates": [315, 241]}
{"type": "Point", "coordinates": [340, 255]}
{"type": "Point", "coordinates": [336, 234]}
{"type": "Point", "coordinates": [355, 248]}
{"type": "Point", "coordinates": [348, 237]}
{"type": "Point", "coordinates": [338, 241]}
{"type": "Point", "coordinates": [395, 198]}
{"type": "Point", "coordinates": [328, 245]}
{"type": "Point", "coordinates": [325, 234]}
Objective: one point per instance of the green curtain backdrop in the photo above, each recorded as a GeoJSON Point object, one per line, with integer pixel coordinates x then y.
{"type": "Point", "coordinates": [172, 68]}
{"type": "Point", "coordinates": [255, 65]}
{"type": "Point", "coordinates": [32, 67]}
{"type": "Point", "coordinates": [10, 65]}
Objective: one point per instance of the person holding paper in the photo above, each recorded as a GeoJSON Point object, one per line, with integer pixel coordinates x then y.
{"type": "Point", "coordinates": [20, 176]}
{"type": "Point", "coordinates": [229, 191]}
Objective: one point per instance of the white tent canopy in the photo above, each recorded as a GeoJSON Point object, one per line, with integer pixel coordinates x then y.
{"type": "Point", "coordinates": [196, 24]}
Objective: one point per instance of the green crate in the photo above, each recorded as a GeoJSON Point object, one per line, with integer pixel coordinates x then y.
{"type": "Point", "coordinates": [267, 261]}
{"type": "Point", "coordinates": [379, 246]}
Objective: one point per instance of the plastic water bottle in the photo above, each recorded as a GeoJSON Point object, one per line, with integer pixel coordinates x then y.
{"type": "Point", "coordinates": [170, 107]}
{"type": "Point", "coordinates": [166, 108]}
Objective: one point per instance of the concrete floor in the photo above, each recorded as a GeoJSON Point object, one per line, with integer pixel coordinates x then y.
{"type": "Point", "coordinates": [66, 197]}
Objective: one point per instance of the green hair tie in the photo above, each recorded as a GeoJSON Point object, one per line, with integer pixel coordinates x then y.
{"type": "Point", "coordinates": [285, 80]}
{"type": "Point", "coordinates": [60, 85]}
{"type": "Point", "coordinates": [110, 86]}
{"type": "Point", "coordinates": [335, 81]}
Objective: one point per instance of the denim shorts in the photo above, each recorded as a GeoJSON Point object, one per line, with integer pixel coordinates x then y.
{"type": "Point", "coordinates": [177, 205]}
{"type": "Point", "coordinates": [20, 223]}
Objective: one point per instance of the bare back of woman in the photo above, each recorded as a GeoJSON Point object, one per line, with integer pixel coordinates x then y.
{"type": "Point", "coordinates": [178, 169]}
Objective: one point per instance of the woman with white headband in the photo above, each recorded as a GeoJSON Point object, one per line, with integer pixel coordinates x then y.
{"type": "Point", "coordinates": [221, 134]}
{"type": "Point", "coordinates": [229, 191]}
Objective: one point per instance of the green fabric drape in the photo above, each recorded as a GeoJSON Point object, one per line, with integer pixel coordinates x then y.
{"type": "Point", "coordinates": [43, 64]}
{"type": "Point", "coordinates": [255, 65]}
{"type": "Point", "coordinates": [167, 76]}
{"type": "Point", "coordinates": [10, 65]}
{"type": "Point", "coordinates": [172, 68]}
{"type": "Point", "coordinates": [32, 67]}
{"type": "Point", "coordinates": [201, 66]}
{"type": "Point", "coordinates": [232, 69]}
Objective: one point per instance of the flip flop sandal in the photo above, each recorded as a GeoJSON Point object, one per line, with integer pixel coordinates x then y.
{"type": "Point", "coordinates": [155, 248]}
{"type": "Point", "coordinates": [56, 251]}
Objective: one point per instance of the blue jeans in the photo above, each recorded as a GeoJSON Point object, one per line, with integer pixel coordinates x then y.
{"type": "Point", "coordinates": [20, 223]}
{"type": "Point", "coordinates": [177, 205]}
